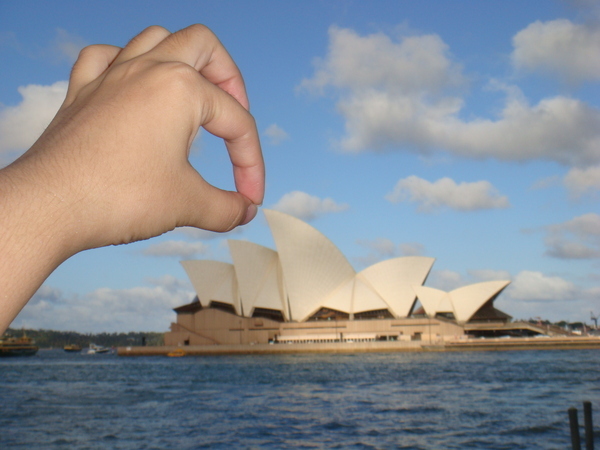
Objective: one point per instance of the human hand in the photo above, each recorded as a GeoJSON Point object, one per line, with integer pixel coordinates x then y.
{"type": "Point", "coordinates": [115, 157]}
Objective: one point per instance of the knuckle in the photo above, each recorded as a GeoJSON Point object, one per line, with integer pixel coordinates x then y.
{"type": "Point", "coordinates": [156, 29]}
{"type": "Point", "coordinates": [200, 30]}
{"type": "Point", "coordinates": [153, 32]}
{"type": "Point", "coordinates": [89, 52]}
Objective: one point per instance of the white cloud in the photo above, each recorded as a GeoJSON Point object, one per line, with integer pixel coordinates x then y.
{"type": "Point", "coordinates": [398, 95]}
{"type": "Point", "coordinates": [561, 47]}
{"type": "Point", "coordinates": [388, 249]}
{"type": "Point", "coordinates": [445, 280]}
{"type": "Point", "coordinates": [411, 249]}
{"type": "Point", "coordinates": [66, 46]}
{"type": "Point", "coordinates": [21, 125]}
{"type": "Point", "coordinates": [445, 192]}
{"type": "Point", "coordinates": [276, 134]}
{"type": "Point", "coordinates": [578, 238]}
{"type": "Point", "coordinates": [307, 207]}
{"type": "Point", "coordinates": [582, 181]}
{"type": "Point", "coordinates": [179, 249]}
{"type": "Point", "coordinates": [535, 286]}
{"type": "Point", "coordinates": [382, 248]}
{"type": "Point", "coordinates": [385, 248]}
{"type": "Point", "coordinates": [143, 308]}
{"type": "Point", "coordinates": [415, 64]}
{"type": "Point", "coordinates": [481, 275]}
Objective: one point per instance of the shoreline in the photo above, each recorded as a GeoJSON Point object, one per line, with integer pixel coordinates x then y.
{"type": "Point", "coordinates": [513, 344]}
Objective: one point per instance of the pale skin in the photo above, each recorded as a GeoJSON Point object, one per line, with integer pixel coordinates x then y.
{"type": "Point", "coordinates": [112, 167]}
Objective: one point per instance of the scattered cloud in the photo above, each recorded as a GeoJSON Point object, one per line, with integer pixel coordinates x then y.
{"type": "Point", "coordinates": [548, 182]}
{"type": "Point", "coordinates": [411, 249]}
{"type": "Point", "coordinates": [382, 248]}
{"type": "Point", "coordinates": [560, 47]}
{"type": "Point", "coordinates": [578, 238]}
{"type": "Point", "coordinates": [446, 193]}
{"type": "Point", "coordinates": [307, 207]}
{"type": "Point", "coordinates": [535, 286]}
{"type": "Point", "coordinates": [276, 134]}
{"type": "Point", "coordinates": [445, 280]}
{"type": "Point", "coordinates": [489, 275]}
{"type": "Point", "coordinates": [357, 63]}
{"type": "Point", "coordinates": [403, 96]}
{"type": "Point", "coordinates": [528, 295]}
{"type": "Point", "coordinates": [531, 294]}
{"type": "Point", "coordinates": [142, 308]}
{"type": "Point", "coordinates": [22, 124]}
{"type": "Point", "coordinates": [178, 249]}
{"type": "Point", "coordinates": [580, 182]}
{"type": "Point", "coordinates": [66, 46]}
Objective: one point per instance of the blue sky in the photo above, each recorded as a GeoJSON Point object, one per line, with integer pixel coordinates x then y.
{"type": "Point", "coordinates": [467, 131]}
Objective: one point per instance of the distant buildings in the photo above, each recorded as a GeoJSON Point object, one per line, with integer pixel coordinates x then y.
{"type": "Point", "coordinates": [307, 291]}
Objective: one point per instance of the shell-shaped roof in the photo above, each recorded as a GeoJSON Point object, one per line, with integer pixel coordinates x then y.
{"type": "Point", "coordinates": [468, 299]}
{"type": "Point", "coordinates": [308, 272]}
{"type": "Point", "coordinates": [312, 266]}
{"type": "Point", "coordinates": [213, 280]}
{"type": "Point", "coordinates": [433, 300]}
{"type": "Point", "coordinates": [463, 302]}
{"type": "Point", "coordinates": [257, 271]}
{"type": "Point", "coordinates": [393, 280]}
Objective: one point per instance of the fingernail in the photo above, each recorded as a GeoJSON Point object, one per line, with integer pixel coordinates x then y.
{"type": "Point", "coordinates": [250, 214]}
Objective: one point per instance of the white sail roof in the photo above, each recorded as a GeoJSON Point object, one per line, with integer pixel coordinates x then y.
{"type": "Point", "coordinates": [468, 299]}
{"type": "Point", "coordinates": [463, 302]}
{"type": "Point", "coordinates": [313, 267]}
{"type": "Point", "coordinates": [213, 280]}
{"type": "Point", "coordinates": [393, 280]}
{"type": "Point", "coordinates": [258, 275]}
{"type": "Point", "coordinates": [308, 272]}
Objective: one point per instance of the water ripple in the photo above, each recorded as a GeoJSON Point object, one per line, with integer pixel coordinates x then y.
{"type": "Point", "coordinates": [507, 400]}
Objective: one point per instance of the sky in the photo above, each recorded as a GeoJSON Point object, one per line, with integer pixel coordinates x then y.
{"type": "Point", "coordinates": [466, 131]}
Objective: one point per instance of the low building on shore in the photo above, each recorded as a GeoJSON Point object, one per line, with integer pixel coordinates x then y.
{"type": "Point", "coordinates": [307, 292]}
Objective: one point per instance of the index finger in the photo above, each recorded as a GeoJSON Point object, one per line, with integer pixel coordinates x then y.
{"type": "Point", "coordinates": [200, 48]}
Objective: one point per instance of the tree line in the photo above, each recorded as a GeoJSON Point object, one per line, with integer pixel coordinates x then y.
{"type": "Point", "coordinates": [58, 339]}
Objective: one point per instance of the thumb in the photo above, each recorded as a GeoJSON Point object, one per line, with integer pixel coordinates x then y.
{"type": "Point", "coordinates": [208, 207]}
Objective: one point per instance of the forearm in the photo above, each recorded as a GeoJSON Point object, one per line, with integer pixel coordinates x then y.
{"type": "Point", "coordinates": [34, 238]}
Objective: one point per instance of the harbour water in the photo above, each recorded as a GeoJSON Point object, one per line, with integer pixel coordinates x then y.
{"type": "Point", "coordinates": [471, 400]}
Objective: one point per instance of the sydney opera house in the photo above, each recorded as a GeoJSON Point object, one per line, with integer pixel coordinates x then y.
{"type": "Point", "coordinates": [306, 291]}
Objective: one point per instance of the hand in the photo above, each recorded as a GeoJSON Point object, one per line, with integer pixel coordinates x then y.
{"type": "Point", "coordinates": [117, 151]}
{"type": "Point", "coordinates": [112, 167]}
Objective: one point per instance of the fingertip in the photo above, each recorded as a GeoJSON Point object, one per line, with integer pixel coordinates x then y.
{"type": "Point", "coordinates": [250, 214]}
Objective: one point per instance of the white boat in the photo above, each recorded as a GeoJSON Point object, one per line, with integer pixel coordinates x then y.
{"type": "Point", "coordinates": [93, 349]}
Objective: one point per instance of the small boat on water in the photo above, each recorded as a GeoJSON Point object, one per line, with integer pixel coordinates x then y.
{"type": "Point", "coordinates": [93, 349]}
{"type": "Point", "coordinates": [22, 346]}
{"type": "Point", "coordinates": [72, 348]}
{"type": "Point", "coordinates": [176, 353]}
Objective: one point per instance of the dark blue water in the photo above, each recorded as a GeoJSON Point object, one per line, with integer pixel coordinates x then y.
{"type": "Point", "coordinates": [490, 400]}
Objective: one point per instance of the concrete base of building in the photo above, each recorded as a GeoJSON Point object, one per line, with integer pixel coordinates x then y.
{"type": "Point", "coordinates": [545, 343]}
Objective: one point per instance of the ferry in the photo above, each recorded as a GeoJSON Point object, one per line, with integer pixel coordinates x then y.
{"type": "Point", "coordinates": [72, 348]}
{"type": "Point", "coordinates": [22, 346]}
{"type": "Point", "coordinates": [93, 349]}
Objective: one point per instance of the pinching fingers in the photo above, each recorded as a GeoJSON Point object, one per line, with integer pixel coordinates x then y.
{"type": "Point", "coordinates": [198, 47]}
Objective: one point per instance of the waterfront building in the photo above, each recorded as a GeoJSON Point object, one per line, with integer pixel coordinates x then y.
{"type": "Point", "coordinates": [306, 291]}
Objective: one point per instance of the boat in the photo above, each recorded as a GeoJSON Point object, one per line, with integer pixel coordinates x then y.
{"type": "Point", "coordinates": [72, 348]}
{"type": "Point", "coordinates": [176, 353]}
{"type": "Point", "coordinates": [93, 349]}
{"type": "Point", "coordinates": [22, 346]}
